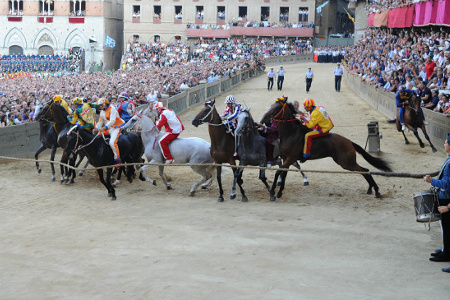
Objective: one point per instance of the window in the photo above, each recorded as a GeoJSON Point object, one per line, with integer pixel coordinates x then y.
{"type": "Point", "coordinates": [220, 12]}
{"type": "Point", "coordinates": [242, 13]}
{"type": "Point", "coordinates": [46, 8]}
{"type": "Point", "coordinates": [136, 11]}
{"type": "Point", "coordinates": [157, 12]}
{"type": "Point", "coordinates": [135, 38]}
{"type": "Point", "coordinates": [15, 50]}
{"type": "Point", "coordinates": [15, 8]}
{"type": "Point", "coordinates": [45, 50]}
{"type": "Point", "coordinates": [284, 14]}
{"type": "Point", "coordinates": [178, 12]}
{"type": "Point", "coordinates": [303, 14]}
{"type": "Point", "coordinates": [77, 8]}
{"type": "Point", "coordinates": [199, 12]}
{"type": "Point", "coordinates": [157, 38]}
{"type": "Point", "coordinates": [265, 13]}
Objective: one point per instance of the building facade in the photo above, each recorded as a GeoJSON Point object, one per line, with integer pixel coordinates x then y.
{"type": "Point", "coordinates": [46, 27]}
{"type": "Point", "coordinates": [155, 20]}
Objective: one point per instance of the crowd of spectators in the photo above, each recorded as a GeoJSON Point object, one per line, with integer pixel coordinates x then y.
{"type": "Point", "coordinates": [243, 23]}
{"type": "Point", "coordinates": [40, 63]}
{"type": "Point", "coordinates": [418, 61]}
{"type": "Point", "coordinates": [374, 6]}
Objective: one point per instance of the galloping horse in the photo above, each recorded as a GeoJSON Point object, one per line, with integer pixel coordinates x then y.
{"type": "Point", "coordinates": [413, 121]}
{"type": "Point", "coordinates": [342, 150]}
{"type": "Point", "coordinates": [100, 154]}
{"type": "Point", "coordinates": [190, 150]}
{"type": "Point", "coordinates": [57, 115]}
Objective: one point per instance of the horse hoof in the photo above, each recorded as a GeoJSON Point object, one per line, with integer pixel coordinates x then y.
{"type": "Point", "coordinates": [192, 194]}
{"type": "Point", "coordinates": [407, 142]}
{"type": "Point", "coordinates": [204, 187]}
{"type": "Point", "coordinates": [434, 150]}
{"type": "Point", "coordinates": [377, 195]}
{"type": "Point", "coordinates": [154, 182]}
{"type": "Point", "coordinates": [62, 181]}
{"type": "Point", "coordinates": [109, 194]}
{"type": "Point", "coordinates": [52, 179]}
{"type": "Point", "coordinates": [272, 198]}
{"type": "Point", "coordinates": [305, 183]}
{"type": "Point", "coordinates": [39, 170]}
{"type": "Point", "coordinates": [113, 198]}
{"type": "Point", "coordinates": [69, 182]}
{"type": "Point", "coordinates": [422, 146]}
{"type": "Point", "coordinates": [232, 197]}
{"type": "Point", "coordinates": [169, 187]}
{"type": "Point", "coordinates": [279, 195]}
{"type": "Point", "coordinates": [80, 173]}
{"type": "Point", "coordinates": [244, 199]}
{"type": "Point", "coordinates": [220, 199]}
{"type": "Point", "coordinates": [369, 192]}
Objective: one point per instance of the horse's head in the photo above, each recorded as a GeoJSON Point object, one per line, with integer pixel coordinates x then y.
{"type": "Point", "coordinates": [43, 111]}
{"type": "Point", "coordinates": [206, 114]}
{"type": "Point", "coordinates": [245, 122]}
{"type": "Point", "coordinates": [415, 101]}
{"type": "Point", "coordinates": [147, 124]}
{"type": "Point", "coordinates": [277, 111]}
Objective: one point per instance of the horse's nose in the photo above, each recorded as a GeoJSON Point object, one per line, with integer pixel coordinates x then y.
{"type": "Point", "coordinates": [195, 122]}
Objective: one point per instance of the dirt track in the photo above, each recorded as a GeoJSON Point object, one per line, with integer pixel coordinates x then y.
{"type": "Point", "coordinates": [328, 240]}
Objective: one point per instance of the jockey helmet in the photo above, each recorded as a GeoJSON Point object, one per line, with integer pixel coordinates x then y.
{"type": "Point", "coordinates": [160, 105]}
{"type": "Point", "coordinates": [230, 99]}
{"type": "Point", "coordinates": [123, 95]}
{"type": "Point", "coordinates": [282, 99]}
{"type": "Point", "coordinates": [77, 101]}
{"type": "Point", "coordinates": [103, 101]}
{"type": "Point", "coordinates": [308, 102]}
{"type": "Point", "coordinates": [57, 98]}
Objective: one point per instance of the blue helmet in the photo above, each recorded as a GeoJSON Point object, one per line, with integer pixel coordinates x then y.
{"type": "Point", "coordinates": [124, 95]}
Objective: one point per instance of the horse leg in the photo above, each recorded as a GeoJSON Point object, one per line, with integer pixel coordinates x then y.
{"type": "Point", "coordinates": [240, 182]}
{"type": "Point", "coordinates": [163, 177]}
{"type": "Point", "coordinates": [274, 185]}
{"type": "Point", "coordinates": [52, 165]}
{"type": "Point", "coordinates": [102, 180]}
{"type": "Point", "coordinates": [219, 182]}
{"type": "Point", "coordinates": [283, 181]}
{"type": "Point", "coordinates": [428, 138]}
{"type": "Point", "coordinates": [210, 177]}
{"type": "Point", "coordinates": [201, 171]}
{"type": "Point", "coordinates": [263, 178]}
{"type": "Point", "coordinates": [108, 182]}
{"type": "Point", "coordinates": [36, 156]}
{"type": "Point", "coordinates": [72, 162]}
{"type": "Point", "coordinates": [63, 169]}
{"type": "Point", "coordinates": [406, 140]}
{"type": "Point", "coordinates": [416, 133]}
{"type": "Point", "coordinates": [144, 176]}
{"type": "Point", "coordinates": [305, 178]}
{"type": "Point", "coordinates": [233, 188]}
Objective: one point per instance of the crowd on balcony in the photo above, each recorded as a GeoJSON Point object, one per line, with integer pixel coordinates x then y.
{"type": "Point", "coordinates": [418, 61]}
{"type": "Point", "coordinates": [46, 13]}
{"type": "Point", "coordinates": [136, 14]}
{"type": "Point", "coordinates": [249, 24]}
{"type": "Point", "coordinates": [15, 12]}
{"type": "Point", "coordinates": [374, 6]}
{"type": "Point", "coordinates": [77, 13]}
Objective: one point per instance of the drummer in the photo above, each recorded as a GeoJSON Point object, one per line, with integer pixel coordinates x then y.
{"type": "Point", "coordinates": [442, 183]}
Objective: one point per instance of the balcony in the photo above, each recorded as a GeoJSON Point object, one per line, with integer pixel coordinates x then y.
{"type": "Point", "coordinates": [156, 21]}
{"type": "Point", "coordinates": [14, 18]}
{"type": "Point", "coordinates": [76, 20]}
{"type": "Point", "coordinates": [136, 20]}
{"type": "Point", "coordinates": [42, 19]}
{"type": "Point", "coordinates": [250, 31]}
{"type": "Point", "coordinates": [198, 21]}
{"type": "Point", "coordinates": [178, 21]}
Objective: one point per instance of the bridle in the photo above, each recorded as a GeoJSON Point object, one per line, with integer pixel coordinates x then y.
{"type": "Point", "coordinates": [282, 112]}
{"type": "Point", "coordinates": [203, 121]}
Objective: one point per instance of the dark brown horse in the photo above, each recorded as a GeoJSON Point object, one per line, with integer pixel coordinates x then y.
{"type": "Point", "coordinates": [222, 144]}
{"type": "Point", "coordinates": [413, 121]}
{"type": "Point", "coordinates": [342, 150]}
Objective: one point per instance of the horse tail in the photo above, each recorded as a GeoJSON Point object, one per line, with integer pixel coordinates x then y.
{"type": "Point", "coordinates": [374, 161]}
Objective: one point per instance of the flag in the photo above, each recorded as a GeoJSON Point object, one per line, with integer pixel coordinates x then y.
{"type": "Point", "coordinates": [350, 16]}
{"type": "Point", "coordinates": [319, 8]}
{"type": "Point", "coordinates": [110, 42]}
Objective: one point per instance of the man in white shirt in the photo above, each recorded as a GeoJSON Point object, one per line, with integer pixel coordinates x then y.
{"type": "Point", "coordinates": [338, 71]}
{"type": "Point", "coordinates": [270, 76]}
{"type": "Point", "coordinates": [309, 78]}
{"type": "Point", "coordinates": [280, 78]}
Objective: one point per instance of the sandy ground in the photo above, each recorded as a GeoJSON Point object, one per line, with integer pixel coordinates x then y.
{"type": "Point", "coordinates": [328, 240]}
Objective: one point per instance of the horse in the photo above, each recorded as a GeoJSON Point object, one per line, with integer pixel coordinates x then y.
{"type": "Point", "coordinates": [190, 150]}
{"type": "Point", "coordinates": [342, 150]}
{"type": "Point", "coordinates": [56, 116]}
{"type": "Point", "coordinates": [222, 146]}
{"type": "Point", "coordinates": [413, 121]}
{"type": "Point", "coordinates": [100, 154]}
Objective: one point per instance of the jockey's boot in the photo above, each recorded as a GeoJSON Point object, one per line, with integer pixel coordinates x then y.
{"type": "Point", "coordinates": [117, 161]}
{"type": "Point", "coordinates": [403, 127]}
{"type": "Point", "coordinates": [169, 162]}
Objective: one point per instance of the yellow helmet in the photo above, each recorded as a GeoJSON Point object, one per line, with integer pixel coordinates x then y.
{"type": "Point", "coordinates": [308, 102]}
{"type": "Point", "coordinates": [282, 99]}
{"type": "Point", "coordinates": [57, 98]}
{"type": "Point", "coordinates": [77, 101]}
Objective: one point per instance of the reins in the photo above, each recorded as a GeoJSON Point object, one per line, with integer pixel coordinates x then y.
{"type": "Point", "coordinates": [282, 111]}
{"type": "Point", "coordinates": [212, 117]}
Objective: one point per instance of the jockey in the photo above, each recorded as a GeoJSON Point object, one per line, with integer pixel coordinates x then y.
{"type": "Point", "coordinates": [229, 116]}
{"type": "Point", "coordinates": [320, 122]}
{"type": "Point", "coordinates": [109, 124]}
{"type": "Point", "coordinates": [59, 100]}
{"type": "Point", "coordinates": [173, 126]}
{"type": "Point", "coordinates": [401, 99]}
{"type": "Point", "coordinates": [127, 108]}
{"type": "Point", "coordinates": [83, 115]}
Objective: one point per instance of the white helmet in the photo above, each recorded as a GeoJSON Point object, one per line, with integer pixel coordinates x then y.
{"type": "Point", "coordinates": [160, 105]}
{"type": "Point", "coordinates": [230, 99]}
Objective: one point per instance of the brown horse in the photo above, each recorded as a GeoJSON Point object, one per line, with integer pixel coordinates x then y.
{"type": "Point", "coordinates": [222, 147]}
{"type": "Point", "coordinates": [342, 150]}
{"type": "Point", "coordinates": [413, 121]}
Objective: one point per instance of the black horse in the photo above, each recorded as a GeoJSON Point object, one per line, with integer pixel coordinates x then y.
{"type": "Point", "coordinates": [99, 153]}
{"type": "Point", "coordinates": [413, 121]}
{"type": "Point", "coordinates": [342, 150]}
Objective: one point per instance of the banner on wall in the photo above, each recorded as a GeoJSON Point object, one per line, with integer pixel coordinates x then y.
{"type": "Point", "coordinates": [381, 19]}
{"type": "Point", "coordinates": [432, 13]}
{"type": "Point", "coordinates": [401, 17]}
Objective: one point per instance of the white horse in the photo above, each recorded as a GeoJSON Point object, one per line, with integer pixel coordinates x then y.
{"type": "Point", "coordinates": [190, 150]}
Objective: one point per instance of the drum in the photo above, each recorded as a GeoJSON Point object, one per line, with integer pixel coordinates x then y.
{"type": "Point", "coordinates": [426, 206]}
